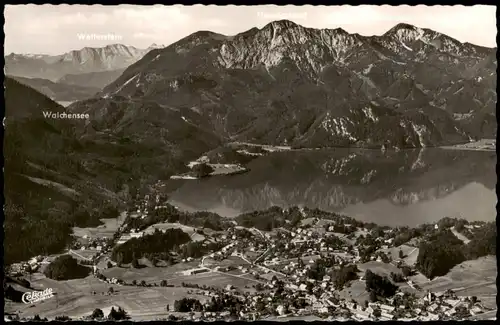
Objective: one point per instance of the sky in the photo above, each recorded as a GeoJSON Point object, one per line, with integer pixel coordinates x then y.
{"type": "Point", "coordinates": [56, 29]}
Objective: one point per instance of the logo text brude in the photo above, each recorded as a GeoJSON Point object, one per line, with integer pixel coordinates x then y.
{"type": "Point", "coordinates": [35, 296]}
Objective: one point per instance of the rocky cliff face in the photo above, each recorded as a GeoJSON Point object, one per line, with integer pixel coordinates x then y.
{"type": "Point", "coordinates": [287, 84]}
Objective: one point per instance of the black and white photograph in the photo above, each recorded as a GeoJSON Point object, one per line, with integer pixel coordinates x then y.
{"type": "Point", "coordinates": [250, 163]}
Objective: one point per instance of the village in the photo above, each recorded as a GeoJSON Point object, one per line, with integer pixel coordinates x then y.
{"type": "Point", "coordinates": [317, 268]}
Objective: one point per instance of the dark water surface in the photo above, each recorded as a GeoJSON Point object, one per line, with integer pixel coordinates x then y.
{"type": "Point", "coordinates": [409, 187]}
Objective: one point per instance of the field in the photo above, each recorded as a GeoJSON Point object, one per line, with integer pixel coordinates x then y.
{"type": "Point", "coordinates": [106, 230]}
{"type": "Point", "coordinates": [410, 253]}
{"type": "Point", "coordinates": [163, 226]}
{"type": "Point", "coordinates": [471, 278]}
{"type": "Point", "coordinates": [149, 274]}
{"type": "Point", "coordinates": [383, 269]}
{"type": "Point", "coordinates": [80, 255]}
{"type": "Point", "coordinates": [356, 291]}
{"type": "Point", "coordinates": [230, 261]}
{"type": "Point", "coordinates": [216, 279]}
{"type": "Point", "coordinates": [75, 299]}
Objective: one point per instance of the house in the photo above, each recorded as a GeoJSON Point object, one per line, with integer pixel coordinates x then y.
{"type": "Point", "coordinates": [387, 308]}
{"type": "Point", "coordinates": [450, 312]}
{"type": "Point", "coordinates": [281, 310]}
{"type": "Point", "coordinates": [476, 310]}
{"type": "Point", "coordinates": [432, 308]}
{"type": "Point", "coordinates": [452, 302]}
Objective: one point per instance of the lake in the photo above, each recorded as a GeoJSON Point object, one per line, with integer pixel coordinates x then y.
{"type": "Point", "coordinates": [409, 187]}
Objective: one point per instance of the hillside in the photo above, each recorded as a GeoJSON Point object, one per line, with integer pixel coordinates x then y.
{"type": "Point", "coordinates": [58, 176]}
{"type": "Point", "coordinates": [59, 91]}
{"type": "Point", "coordinates": [92, 79]}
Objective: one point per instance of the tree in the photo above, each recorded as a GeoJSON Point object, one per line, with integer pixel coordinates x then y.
{"type": "Point", "coordinates": [37, 318]}
{"type": "Point", "coordinates": [143, 283]}
{"type": "Point", "coordinates": [62, 318]}
{"type": "Point", "coordinates": [187, 305]}
{"type": "Point", "coordinates": [202, 170]}
{"type": "Point", "coordinates": [344, 275]}
{"type": "Point", "coordinates": [401, 255]}
{"type": "Point", "coordinates": [377, 313]}
{"type": "Point", "coordinates": [381, 286]}
{"type": "Point", "coordinates": [65, 267]}
{"type": "Point", "coordinates": [111, 290]}
{"type": "Point", "coordinates": [407, 271]}
{"type": "Point", "coordinates": [134, 282]}
{"type": "Point", "coordinates": [163, 283]}
{"type": "Point", "coordinates": [438, 256]}
{"type": "Point", "coordinates": [97, 314]}
{"type": "Point", "coordinates": [109, 265]}
{"type": "Point", "coordinates": [397, 277]}
{"type": "Point", "coordinates": [116, 315]}
{"type": "Point", "coordinates": [135, 263]}
{"type": "Point", "coordinates": [119, 259]}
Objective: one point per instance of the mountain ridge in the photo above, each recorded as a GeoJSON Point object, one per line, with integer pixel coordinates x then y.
{"type": "Point", "coordinates": [278, 84]}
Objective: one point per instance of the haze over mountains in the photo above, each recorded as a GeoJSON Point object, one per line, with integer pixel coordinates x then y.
{"type": "Point", "coordinates": [287, 84]}
{"type": "Point", "coordinates": [75, 75]}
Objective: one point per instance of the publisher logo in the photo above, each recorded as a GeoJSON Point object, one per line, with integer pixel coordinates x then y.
{"type": "Point", "coordinates": [36, 296]}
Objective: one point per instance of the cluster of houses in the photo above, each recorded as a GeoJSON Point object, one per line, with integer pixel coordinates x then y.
{"type": "Point", "coordinates": [132, 234]}
{"type": "Point", "coordinates": [93, 244]}
{"type": "Point", "coordinates": [437, 306]}
{"type": "Point", "coordinates": [32, 265]}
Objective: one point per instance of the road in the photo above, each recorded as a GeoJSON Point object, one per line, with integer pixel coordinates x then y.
{"type": "Point", "coordinates": [73, 252]}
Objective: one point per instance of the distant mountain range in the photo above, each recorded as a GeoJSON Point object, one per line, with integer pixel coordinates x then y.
{"type": "Point", "coordinates": [87, 60]}
{"type": "Point", "coordinates": [287, 84]}
{"type": "Point", "coordinates": [75, 75]}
